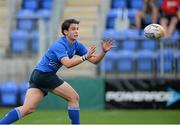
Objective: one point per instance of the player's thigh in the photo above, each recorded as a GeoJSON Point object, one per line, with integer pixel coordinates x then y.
{"type": "Point", "coordinates": [66, 91]}
{"type": "Point", "coordinates": [33, 97]}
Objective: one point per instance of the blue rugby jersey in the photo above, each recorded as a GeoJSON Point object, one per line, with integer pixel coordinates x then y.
{"type": "Point", "coordinates": [50, 62]}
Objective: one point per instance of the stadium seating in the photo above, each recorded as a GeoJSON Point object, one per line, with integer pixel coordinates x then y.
{"type": "Point", "coordinates": [22, 90]}
{"type": "Point", "coordinates": [136, 4]}
{"type": "Point", "coordinates": [25, 14]}
{"type": "Point", "coordinates": [108, 64]}
{"type": "Point", "coordinates": [145, 61]}
{"type": "Point", "coordinates": [47, 4]}
{"type": "Point", "coordinates": [27, 24]}
{"type": "Point", "coordinates": [111, 16]}
{"type": "Point", "coordinates": [119, 3]}
{"type": "Point", "coordinates": [43, 13]}
{"type": "Point", "coordinates": [19, 40]}
{"type": "Point", "coordinates": [132, 33]}
{"type": "Point", "coordinates": [131, 15]}
{"type": "Point", "coordinates": [9, 92]}
{"type": "Point", "coordinates": [132, 45]}
{"type": "Point", "coordinates": [35, 41]}
{"type": "Point", "coordinates": [12, 93]}
{"type": "Point", "coordinates": [113, 34]}
{"type": "Point", "coordinates": [129, 44]}
{"type": "Point", "coordinates": [148, 44]}
{"type": "Point", "coordinates": [175, 36]}
{"type": "Point", "coordinates": [31, 4]}
{"type": "Point", "coordinates": [125, 61]}
{"type": "Point", "coordinates": [165, 60]}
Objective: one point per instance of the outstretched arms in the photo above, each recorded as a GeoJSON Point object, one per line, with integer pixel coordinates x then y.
{"type": "Point", "coordinates": [90, 56]}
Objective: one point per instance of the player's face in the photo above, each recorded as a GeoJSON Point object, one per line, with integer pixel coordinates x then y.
{"type": "Point", "coordinates": [73, 31]}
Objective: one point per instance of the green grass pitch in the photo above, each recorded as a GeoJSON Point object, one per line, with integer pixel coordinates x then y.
{"type": "Point", "coordinates": [102, 117]}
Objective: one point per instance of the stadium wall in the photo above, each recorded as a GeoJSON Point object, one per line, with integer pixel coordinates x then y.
{"type": "Point", "coordinates": [90, 90]}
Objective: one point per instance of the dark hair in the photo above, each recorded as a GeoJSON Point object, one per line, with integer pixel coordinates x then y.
{"type": "Point", "coordinates": [66, 24]}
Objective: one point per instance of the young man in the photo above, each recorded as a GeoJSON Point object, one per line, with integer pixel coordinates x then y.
{"type": "Point", "coordinates": [44, 78]}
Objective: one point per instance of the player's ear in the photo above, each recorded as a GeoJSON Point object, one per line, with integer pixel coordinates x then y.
{"type": "Point", "coordinates": [65, 32]}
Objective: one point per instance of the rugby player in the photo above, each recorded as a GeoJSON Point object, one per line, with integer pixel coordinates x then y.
{"type": "Point", "coordinates": [44, 79]}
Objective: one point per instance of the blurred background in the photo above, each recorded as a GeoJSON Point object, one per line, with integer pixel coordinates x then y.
{"type": "Point", "coordinates": [138, 74]}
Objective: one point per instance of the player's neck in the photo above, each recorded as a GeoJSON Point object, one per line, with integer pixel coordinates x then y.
{"type": "Point", "coordinates": [70, 40]}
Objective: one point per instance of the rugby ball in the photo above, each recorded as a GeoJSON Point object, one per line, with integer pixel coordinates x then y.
{"type": "Point", "coordinates": [154, 31]}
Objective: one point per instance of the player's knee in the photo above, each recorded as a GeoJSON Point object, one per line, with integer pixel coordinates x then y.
{"type": "Point", "coordinates": [75, 97]}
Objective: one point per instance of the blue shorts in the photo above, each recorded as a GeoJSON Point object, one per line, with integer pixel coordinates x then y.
{"type": "Point", "coordinates": [45, 81]}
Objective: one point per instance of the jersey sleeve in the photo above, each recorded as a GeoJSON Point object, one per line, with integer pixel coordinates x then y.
{"type": "Point", "coordinates": [59, 51]}
{"type": "Point", "coordinates": [81, 49]}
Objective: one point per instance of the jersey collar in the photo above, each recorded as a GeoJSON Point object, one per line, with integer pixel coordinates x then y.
{"type": "Point", "coordinates": [67, 42]}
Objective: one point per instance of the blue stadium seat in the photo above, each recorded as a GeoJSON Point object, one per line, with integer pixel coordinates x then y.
{"type": "Point", "coordinates": [110, 33]}
{"type": "Point", "coordinates": [148, 44]}
{"type": "Point", "coordinates": [136, 4]}
{"type": "Point", "coordinates": [132, 33]}
{"type": "Point", "coordinates": [31, 4]}
{"type": "Point", "coordinates": [23, 88]}
{"type": "Point", "coordinates": [131, 15]}
{"type": "Point", "coordinates": [110, 23]}
{"type": "Point", "coordinates": [129, 44]}
{"type": "Point", "coordinates": [25, 14]}
{"type": "Point", "coordinates": [167, 56]}
{"type": "Point", "coordinates": [47, 4]}
{"type": "Point", "coordinates": [25, 24]}
{"type": "Point", "coordinates": [145, 61]}
{"type": "Point", "coordinates": [9, 93]}
{"type": "Point", "coordinates": [44, 13]}
{"type": "Point", "coordinates": [114, 34]}
{"type": "Point", "coordinates": [108, 64]}
{"type": "Point", "coordinates": [175, 36]}
{"type": "Point", "coordinates": [125, 61]}
{"type": "Point", "coordinates": [25, 19]}
{"type": "Point", "coordinates": [111, 16]}
{"type": "Point", "coordinates": [119, 3]}
{"type": "Point", "coordinates": [19, 39]}
{"type": "Point", "coordinates": [35, 41]}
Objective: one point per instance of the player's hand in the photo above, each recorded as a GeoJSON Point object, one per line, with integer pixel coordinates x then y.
{"type": "Point", "coordinates": [107, 45]}
{"type": "Point", "coordinates": [91, 52]}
